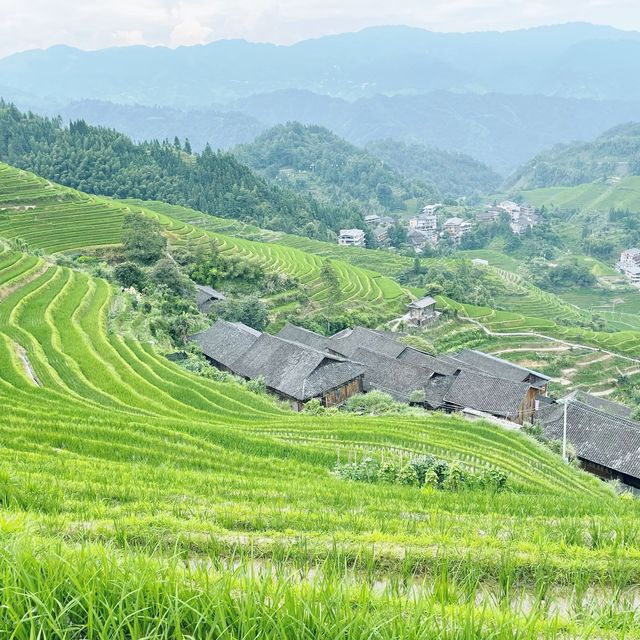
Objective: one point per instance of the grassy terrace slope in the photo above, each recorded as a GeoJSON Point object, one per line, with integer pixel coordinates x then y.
{"type": "Point", "coordinates": [622, 194]}
{"type": "Point", "coordinates": [106, 443]}
{"type": "Point", "coordinates": [55, 218]}
{"type": "Point", "coordinates": [137, 500]}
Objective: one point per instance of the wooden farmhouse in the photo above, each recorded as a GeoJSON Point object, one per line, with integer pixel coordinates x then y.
{"type": "Point", "coordinates": [606, 440]}
{"type": "Point", "coordinates": [292, 371]}
{"type": "Point", "coordinates": [206, 297]}
{"type": "Point", "coordinates": [422, 312]}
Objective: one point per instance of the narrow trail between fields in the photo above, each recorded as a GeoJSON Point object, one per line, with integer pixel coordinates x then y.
{"type": "Point", "coordinates": [516, 334]}
{"type": "Point", "coordinates": [26, 364]}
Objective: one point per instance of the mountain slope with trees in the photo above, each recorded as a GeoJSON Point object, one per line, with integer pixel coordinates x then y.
{"type": "Point", "coordinates": [452, 174]}
{"type": "Point", "coordinates": [103, 161]}
{"type": "Point", "coordinates": [312, 159]}
{"type": "Point", "coordinates": [614, 154]}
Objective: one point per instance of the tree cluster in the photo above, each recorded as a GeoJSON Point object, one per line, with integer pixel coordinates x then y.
{"type": "Point", "coordinates": [102, 161]}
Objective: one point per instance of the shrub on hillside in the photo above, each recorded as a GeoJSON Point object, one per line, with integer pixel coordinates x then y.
{"type": "Point", "coordinates": [249, 310]}
{"type": "Point", "coordinates": [129, 274]}
{"type": "Point", "coordinates": [423, 471]}
{"type": "Point", "coordinates": [374, 403]}
{"type": "Point", "coordinates": [166, 273]}
{"type": "Point", "coordinates": [142, 239]}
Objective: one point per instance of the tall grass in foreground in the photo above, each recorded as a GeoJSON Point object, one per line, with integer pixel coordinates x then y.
{"type": "Point", "coordinates": [92, 593]}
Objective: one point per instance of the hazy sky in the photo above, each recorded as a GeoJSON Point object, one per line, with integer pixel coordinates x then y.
{"type": "Point", "coordinates": [92, 24]}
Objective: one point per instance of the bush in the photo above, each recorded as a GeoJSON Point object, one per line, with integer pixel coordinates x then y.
{"type": "Point", "coordinates": [422, 464]}
{"type": "Point", "coordinates": [129, 274]}
{"type": "Point", "coordinates": [408, 476]}
{"type": "Point", "coordinates": [257, 385]}
{"type": "Point", "coordinates": [249, 310]}
{"type": "Point", "coordinates": [556, 447]}
{"type": "Point", "coordinates": [166, 273]}
{"type": "Point", "coordinates": [422, 471]}
{"type": "Point", "coordinates": [455, 479]}
{"type": "Point", "coordinates": [388, 472]}
{"type": "Point", "coordinates": [142, 239]}
{"type": "Point", "coordinates": [494, 479]}
{"type": "Point", "coordinates": [364, 471]}
{"type": "Point", "coordinates": [373, 403]}
{"type": "Point", "coordinates": [431, 479]}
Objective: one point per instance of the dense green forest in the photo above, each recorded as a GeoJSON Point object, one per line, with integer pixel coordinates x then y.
{"type": "Point", "coordinates": [615, 154]}
{"type": "Point", "coordinates": [451, 174]}
{"type": "Point", "coordinates": [102, 161]}
{"type": "Point", "coordinates": [312, 159]}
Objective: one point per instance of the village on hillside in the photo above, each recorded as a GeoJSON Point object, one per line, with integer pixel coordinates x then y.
{"type": "Point", "coordinates": [430, 226]}
{"type": "Point", "coordinates": [298, 365]}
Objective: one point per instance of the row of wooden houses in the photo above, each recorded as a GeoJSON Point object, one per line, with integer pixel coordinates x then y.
{"type": "Point", "coordinates": [298, 365]}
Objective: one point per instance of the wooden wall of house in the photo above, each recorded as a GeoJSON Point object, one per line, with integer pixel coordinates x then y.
{"type": "Point", "coordinates": [605, 473]}
{"type": "Point", "coordinates": [528, 406]}
{"type": "Point", "coordinates": [339, 395]}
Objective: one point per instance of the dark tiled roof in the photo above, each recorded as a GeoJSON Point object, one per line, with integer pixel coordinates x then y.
{"type": "Point", "coordinates": [204, 294]}
{"type": "Point", "coordinates": [480, 391]}
{"type": "Point", "coordinates": [601, 404]}
{"type": "Point", "coordinates": [293, 369]}
{"type": "Point", "coordinates": [608, 440]}
{"type": "Point", "coordinates": [225, 341]}
{"type": "Point", "coordinates": [415, 356]}
{"type": "Point", "coordinates": [303, 336]}
{"type": "Point", "coordinates": [388, 374]}
{"type": "Point", "coordinates": [497, 366]}
{"type": "Point", "coordinates": [422, 303]}
{"type": "Point", "coordinates": [437, 389]}
{"type": "Point", "coordinates": [347, 342]}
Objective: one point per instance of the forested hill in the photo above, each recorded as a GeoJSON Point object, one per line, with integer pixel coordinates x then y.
{"type": "Point", "coordinates": [312, 159]}
{"type": "Point", "coordinates": [612, 155]}
{"type": "Point", "coordinates": [103, 161]}
{"type": "Point", "coordinates": [452, 174]}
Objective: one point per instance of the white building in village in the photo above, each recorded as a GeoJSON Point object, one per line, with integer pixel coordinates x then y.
{"type": "Point", "coordinates": [423, 222]}
{"type": "Point", "coordinates": [629, 265]}
{"type": "Point", "coordinates": [430, 209]}
{"type": "Point", "coordinates": [351, 238]}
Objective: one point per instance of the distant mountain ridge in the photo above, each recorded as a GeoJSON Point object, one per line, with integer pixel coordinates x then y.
{"type": "Point", "coordinates": [613, 155]}
{"type": "Point", "coordinates": [498, 97]}
{"type": "Point", "coordinates": [503, 131]}
{"type": "Point", "coordinates": [565, 60]}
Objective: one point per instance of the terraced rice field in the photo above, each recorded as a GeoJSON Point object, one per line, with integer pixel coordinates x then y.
{"type": "Point", "coordinates": [359, 287]}
{"type": "Point", "coordinates": [54, 218]}
{"type": "Point", "coordinates": [64, 219]}
{"type": "Point", "coordinates": [137, 500]}
{"type": "Point", "coordinates": [122, 474]}
{"type": "Point", "coordinates": [624, 194]}
{"type": "Point", "coordinates": [59, 219]}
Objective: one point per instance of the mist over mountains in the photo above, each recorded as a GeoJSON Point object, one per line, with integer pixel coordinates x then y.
{"type": "Point", "coordinates": [499, 97]}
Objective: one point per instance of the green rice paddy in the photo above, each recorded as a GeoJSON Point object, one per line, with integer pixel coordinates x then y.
{"type": "Point", "coordinates": [140, 501]}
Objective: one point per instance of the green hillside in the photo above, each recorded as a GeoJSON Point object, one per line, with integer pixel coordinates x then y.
{"type": "Point", "coordinates": [54, 218]}
{"type": "Point", "coordinates": [452, 174]}
{"type": "Point", "coordinates": [522, 307]}
{"type": "Point", "coordinates": [312, 159]}
{"type": "Point", "coordinates": [137, 499]}
{"type": "Point", "coordinates": [614, 194]}
{"type": "Point", "coordinates": [105, 162]}
{"type": "Point", "coordinates": [614, 154]}
{"type": "Point", "coordinates": [64, 219]}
